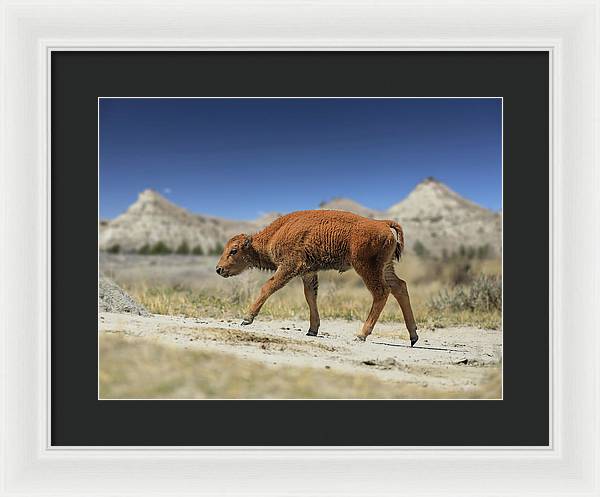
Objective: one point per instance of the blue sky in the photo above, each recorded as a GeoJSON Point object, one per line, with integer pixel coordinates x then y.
{"type": "Point", "coordinates": [238, 158]}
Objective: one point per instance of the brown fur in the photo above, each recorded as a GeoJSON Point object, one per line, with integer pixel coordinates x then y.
{"type": "Point", "coordinates": [305, 242]}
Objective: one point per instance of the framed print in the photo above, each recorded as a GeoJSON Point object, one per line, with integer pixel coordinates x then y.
{"type": "Point", "coordinates": [243, 246]}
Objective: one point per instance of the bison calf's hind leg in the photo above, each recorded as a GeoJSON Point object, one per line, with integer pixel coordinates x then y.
{"type": "Point", "coordinates": [400, 292]}
{"type": "Point", "coordinates": [311, 285]}
{"type": "Point", "coordinates": [374, 281]}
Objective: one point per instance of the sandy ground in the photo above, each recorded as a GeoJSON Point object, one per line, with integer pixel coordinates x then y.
{"type": "Point", "coordinates": [460, 358]}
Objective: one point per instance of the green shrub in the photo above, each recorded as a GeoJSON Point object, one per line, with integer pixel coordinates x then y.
{"type": "Point", "coordinates": [198, 250]}
{"type": "Point", "coordinates": [470, 252]}
{"type": "Point", "coordinates": [484, 251]}
{"type": "Point", "coordinates": [217, 249]}
{"type": "Point", "coordinates": [460, 273]}
{"type": "Point", "coordinates": [183, 249]}
{"type": "Point", "coordinates": [160, 248]}
{"type": "Point", "coordinates": [484, 293]}
{"type": "Point", "coordinates": [420, 249]}
{"type": "Point", "coordinates": [115, 249]}
{"type": "Point", "coordinates": [144, 250]}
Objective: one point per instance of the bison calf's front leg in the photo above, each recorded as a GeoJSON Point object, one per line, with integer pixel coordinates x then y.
{"type": "Point", "coordinates": [311, 285]}
{"type": "Point", "coordinates": [274, 283]}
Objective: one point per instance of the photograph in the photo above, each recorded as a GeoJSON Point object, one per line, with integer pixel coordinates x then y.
{"type": "Point", "coordinates": [300, 248]}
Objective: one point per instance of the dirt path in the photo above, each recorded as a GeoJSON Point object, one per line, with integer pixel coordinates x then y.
{"type": "Point", "coordinates": [461, 358]}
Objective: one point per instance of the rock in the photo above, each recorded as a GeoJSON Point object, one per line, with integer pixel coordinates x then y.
{"type": "Point", "coordinates": [440, 219]}
{"type": "Point", "coordinates": [111, 298]}
{"type": "Point", "coordinates": [153, 218]}
{"type": "Point", "coordinates": [390, 362]}
{"type": "Point", "coordinates": [346, 204]}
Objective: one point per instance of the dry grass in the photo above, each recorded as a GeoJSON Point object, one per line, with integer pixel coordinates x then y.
{"type": "Point", "coordinates": [340, 295]}
{"type": "Point", "coordinates": [134, 367]}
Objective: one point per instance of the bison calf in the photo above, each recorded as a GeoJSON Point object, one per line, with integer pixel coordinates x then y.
{"type": "Point", "coordinates": [304, 242]}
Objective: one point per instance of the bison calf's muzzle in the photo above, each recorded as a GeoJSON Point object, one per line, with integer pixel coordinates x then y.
{"type": "Point", "coordinates": [221, 272]}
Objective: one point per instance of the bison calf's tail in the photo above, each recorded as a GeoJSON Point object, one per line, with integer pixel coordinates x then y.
{"type": "Point", "coordinates": [399, 235]}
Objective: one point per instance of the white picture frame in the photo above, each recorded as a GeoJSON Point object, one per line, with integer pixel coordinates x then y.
{"type": "Point", "coordinates": [568, 30]}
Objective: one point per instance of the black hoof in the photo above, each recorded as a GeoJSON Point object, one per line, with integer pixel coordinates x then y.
{"type": "Point", "coordinates": [413, 341]}
{"type": "Point", "coordinates": [359, 338]}
{"type": "Point", "coordinates": [311, 333]}
{"type": "Point", "coordinates": [246, 322]}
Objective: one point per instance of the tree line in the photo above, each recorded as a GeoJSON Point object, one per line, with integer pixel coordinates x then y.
{"type": "Point", "coordinates": [161, 248]}
{"type": "Point", "coordinates": [464, 252]}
